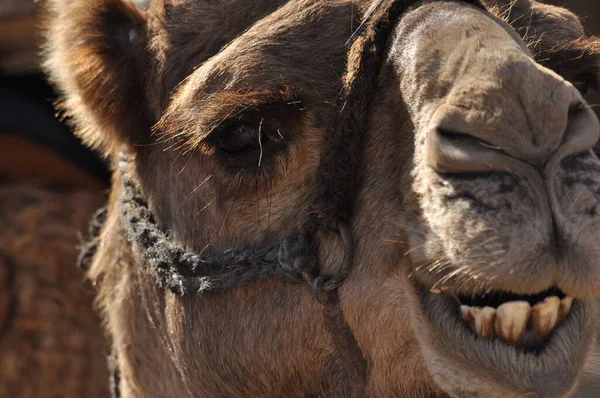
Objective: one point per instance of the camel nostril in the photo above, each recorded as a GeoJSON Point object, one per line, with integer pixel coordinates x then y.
{"type": "Point", "coordinates": [464, 141]}
{"type": "Point", "coordinates": [581, 135]}
{"type": "Point", "coordinates": [449, 151]}
{"type": "Point", "coordinates": [457, 137]}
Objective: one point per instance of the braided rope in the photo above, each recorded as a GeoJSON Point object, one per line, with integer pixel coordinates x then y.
{"type": "Point", "coordinates": [187, 273]}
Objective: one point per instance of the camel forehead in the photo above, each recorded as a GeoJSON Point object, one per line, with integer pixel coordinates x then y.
{"type": "Point", "coordinates": [207, 21]}
{"type": "Point", "coordinates": [278, 34]}
{"type": "Point", "coordinates": [232, 17]}
{"type": "Point", "coordinates": [193, 31]}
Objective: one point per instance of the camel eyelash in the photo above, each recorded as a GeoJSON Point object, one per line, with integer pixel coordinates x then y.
{"type": "Point", "coordinates": [250, 143]}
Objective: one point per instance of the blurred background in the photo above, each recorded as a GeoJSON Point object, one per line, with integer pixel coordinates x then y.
{"type": "Point", "coordinates": [589, 10]}
{"type": "Point", "coordinates": [50, 339]}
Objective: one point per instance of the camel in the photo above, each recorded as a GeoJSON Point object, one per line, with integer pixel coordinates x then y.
{"type": "Point", "coordinates": [339, 198]}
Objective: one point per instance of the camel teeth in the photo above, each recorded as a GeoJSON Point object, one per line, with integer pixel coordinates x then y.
{"type": "Point", "coordinates": [565, 307]}
{"type": "Point", "coordinates": [483, 321]}
{"type": "Point", "coordinates": [465, 311]}
{"type": "Point", "coordinates": [485, 326]}
{"type": "Point", "coordinates": [545, 317]}
{"type": "Point", "coordinates": [511, 321]}
{"type": "Point", "coordinates": [470, 317]}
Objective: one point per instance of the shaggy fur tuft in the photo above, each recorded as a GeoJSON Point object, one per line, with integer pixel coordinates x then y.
{"type": "Point", "coordinates": [96, 57]}
{"type": "Point", "coordinates": [51, 340]}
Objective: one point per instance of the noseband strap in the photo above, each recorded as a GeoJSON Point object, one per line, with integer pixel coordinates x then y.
{"type": "Point", "coordinates": [189, 273]}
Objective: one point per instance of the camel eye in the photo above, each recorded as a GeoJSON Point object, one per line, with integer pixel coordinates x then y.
{"type": "Point", "coordinates": [252, 139]}
{"type": "Point", "coordinates": [584, 86]}
{"type": "Point", "coordinates": [246, 145]}
{"type": "Point", "coordinates": [239, 140]}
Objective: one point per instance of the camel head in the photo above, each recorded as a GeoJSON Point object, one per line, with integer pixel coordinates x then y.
{"type": "Point", "coordinates": [475, 197]}
{"type": "Point", "coordinates": [500, 233]}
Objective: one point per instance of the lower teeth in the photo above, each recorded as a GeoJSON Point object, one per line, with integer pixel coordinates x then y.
{"type": "Point", "coordinates": [510, 321]}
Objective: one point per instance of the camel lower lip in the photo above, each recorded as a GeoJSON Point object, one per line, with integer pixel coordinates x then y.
{"type": "Point", "coordinates": [550, 369]}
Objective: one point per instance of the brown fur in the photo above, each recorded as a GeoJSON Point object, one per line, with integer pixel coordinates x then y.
{"type": "Point", "coordinates": [122, 70]}
{"type": "Point", "coordinates": [50, 338]}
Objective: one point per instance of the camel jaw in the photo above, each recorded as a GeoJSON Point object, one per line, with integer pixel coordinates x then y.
{"type": "Point", "coordinates": [466, 364]}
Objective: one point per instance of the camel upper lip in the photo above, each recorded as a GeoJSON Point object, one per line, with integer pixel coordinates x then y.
{"type": "Point", "coordinates": [550, 368]}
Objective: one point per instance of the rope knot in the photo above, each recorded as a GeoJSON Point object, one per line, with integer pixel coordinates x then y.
{"type": "Point", "coordinates": [325, 286]}
{"type": "Point", "coordinates": [297, 259]}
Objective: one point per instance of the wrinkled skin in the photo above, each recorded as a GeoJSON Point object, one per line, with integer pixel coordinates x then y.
{"type": "Point", "coordinates": [477, 174]}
